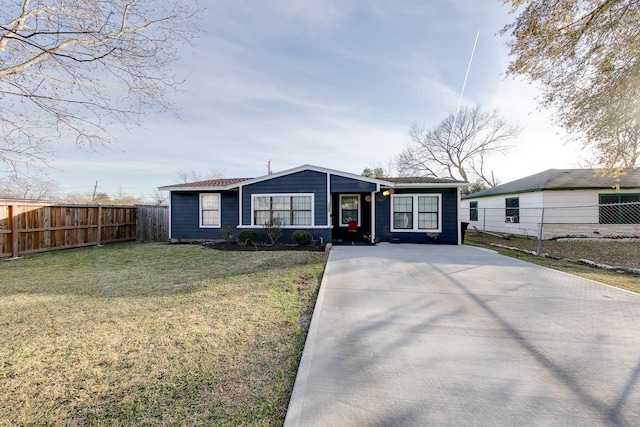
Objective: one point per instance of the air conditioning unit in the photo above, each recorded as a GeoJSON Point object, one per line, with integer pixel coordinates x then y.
{"type": "Point", "coordinates": [510, 219]}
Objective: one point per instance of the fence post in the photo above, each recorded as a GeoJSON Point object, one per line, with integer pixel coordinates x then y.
{"type": "Point", "coordinates": [540, 234]}
{"type": "Point", "coordinates": [15, 234]}
{"type": "Point", "coordinates": [99, 225]}
{"type": "Point", "coordinates": [484, 225]}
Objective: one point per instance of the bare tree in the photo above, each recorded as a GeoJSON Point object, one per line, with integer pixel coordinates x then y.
{"type": "Point", "coordinates": [28, 188]}
{"type": "Point", "coordinates": [159, 198]}
{"type": "Point", "coordinates": [195, 175]}
{"type": "Point", "coordinates": [586, 57]}
{"type": "Point", "coordinates": [458, 147]}
{"type": "Point", "coordinates": [71, 69]}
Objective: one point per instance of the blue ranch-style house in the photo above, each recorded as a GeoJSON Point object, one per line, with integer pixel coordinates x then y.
{"type": "Point", "coordinates": [332, 205]}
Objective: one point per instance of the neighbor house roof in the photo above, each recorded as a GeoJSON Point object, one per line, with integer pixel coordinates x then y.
{"type": "Point", "coordinates": [564, 179]}
{"type": "Point", "coordinates": [229, 183]}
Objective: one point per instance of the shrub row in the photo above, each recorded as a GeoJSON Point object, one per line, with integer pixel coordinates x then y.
{"type": "Point", "coordinates": [250, 237]}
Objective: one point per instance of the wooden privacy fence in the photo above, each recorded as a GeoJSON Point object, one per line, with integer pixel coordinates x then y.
{"type": "Point", "coordinates": [37, 227]}
{"type": "Point", "coordinates": [153, 223]}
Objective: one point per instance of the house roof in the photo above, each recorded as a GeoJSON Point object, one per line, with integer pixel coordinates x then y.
{"type": "Point", "coordinates": [563, 179]}
{"type": "Point", "coordinates": [218, 183]}
{"type": "Point", "coordinates": [230, 183]}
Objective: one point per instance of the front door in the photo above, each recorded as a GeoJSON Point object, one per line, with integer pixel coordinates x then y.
{"type": "Point", "coordinates": [351, 217]}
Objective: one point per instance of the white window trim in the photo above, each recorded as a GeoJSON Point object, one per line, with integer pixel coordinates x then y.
{"type": "Point", "coordinates": [415, 228]}
{"type": "Point", "coordinates": [340, 213]}
{"type": "Point", "coordinates": [507, 209]}
{"type": "Point", "coordinates": [219, 210]}
{"type": "Point", "coordinates": [313, 209]}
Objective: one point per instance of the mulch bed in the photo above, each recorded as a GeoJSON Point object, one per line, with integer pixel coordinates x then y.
{"type": "Point", "coordinates": [223, 246]}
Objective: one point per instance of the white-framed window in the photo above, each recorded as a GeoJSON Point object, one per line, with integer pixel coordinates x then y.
{"type": "Point", "coordinates": [210, 210]}
{"type": "Point", "coordinates": [349, 209]}
{"type": "Point", "coordinates": [292, 210]}
{"type": "Point", "coordinates": [416, 212]}
{"type": "Point", "coordinates": [473, 211]}
{"type": "Point", "coordinates": [512, 209]}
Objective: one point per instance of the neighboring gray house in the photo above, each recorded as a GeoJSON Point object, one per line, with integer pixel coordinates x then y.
{"type": "Point", "coordinates": [333, 205]}
{"type": "Point", "coordinates": [567, 202]}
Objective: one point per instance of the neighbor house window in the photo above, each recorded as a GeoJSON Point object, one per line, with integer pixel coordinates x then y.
{"type": "Point", "coordinates": [512, 209]}
{"type": "Point", "coordinates": [416, 212]}
{"type": "Point", "coordinates": [287, 209]}
{"type": "Point", "coordinates": [473, 211]}
{"type": "Point", "coordinates": [349, 209]}
{"type": "Point", "coordinates": [210, 210]}
{"type": "Point", "coordinates": [619, 208]}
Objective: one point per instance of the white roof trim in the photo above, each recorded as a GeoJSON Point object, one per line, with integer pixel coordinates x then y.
{"type": "Point", "coordinates": [378, 182]}
{"type": "Point", "coordinates": [430, 185]}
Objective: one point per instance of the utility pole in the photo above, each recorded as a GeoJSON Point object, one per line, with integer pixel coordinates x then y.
{"type": "Point", "coordinates": [95, 188]}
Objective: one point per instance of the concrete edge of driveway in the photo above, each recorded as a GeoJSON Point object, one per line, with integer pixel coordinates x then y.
{"type": "Point", "coordinates": [296, 403]}
{"type": "Point", "coordinates": [299, 387]}
{"type": "Point", "coordinates": [304, 406]}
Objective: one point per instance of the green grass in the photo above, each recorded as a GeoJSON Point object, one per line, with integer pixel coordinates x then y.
{"type": "Point", "coordinates": [153, 334]}
{"type": "Point", "coordinates": [614, 253]}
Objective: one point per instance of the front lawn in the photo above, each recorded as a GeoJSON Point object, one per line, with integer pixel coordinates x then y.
{"type": "Point", "coordinates": [153, 334]}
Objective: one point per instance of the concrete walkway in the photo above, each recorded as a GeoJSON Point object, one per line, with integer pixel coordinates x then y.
{"type": "Point", "coordinates": [454, 335]}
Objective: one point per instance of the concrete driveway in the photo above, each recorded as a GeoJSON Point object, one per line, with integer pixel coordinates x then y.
{"type": "Point", "coordinates": [455, 335]}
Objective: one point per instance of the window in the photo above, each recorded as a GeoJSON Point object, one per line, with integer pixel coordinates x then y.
{"type": "Point", "coordinates": [512, 209]}
{"type": "Point", "coordinates": [619, 208]}
{"type": "Point", "coordinates": [427, 212]}
{"type": "Point", "coordinates": [349, 209]}
{"type": "Point", "coordinates": [415, 212]}
{"type": "Point", "coordinates": [403, 213]}
{"type": "Point", "coordinates": [473, 211]}
{"type": "Point", "coordinates": [210, 210]}
{"type": "Point", "coordinates": [289, 210]}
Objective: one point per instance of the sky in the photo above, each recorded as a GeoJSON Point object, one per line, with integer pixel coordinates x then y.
{"type": "Point", "coordinates": [333, 83]}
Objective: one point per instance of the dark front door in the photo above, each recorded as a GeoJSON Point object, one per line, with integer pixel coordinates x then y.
{"type": "Point", "coordinates": [351, 217]}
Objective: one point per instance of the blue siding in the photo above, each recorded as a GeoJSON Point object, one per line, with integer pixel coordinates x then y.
{"type": "Point", "coordinates": [341, 184]}
{"type": "Point", "coordinates": [185, 212]}
{"type": "Point", "coordinates": [449, 234]}
{"type": "Point", "coordinates": [383, 213]}
{"type": "Point", "coordinates": [450, 218]}
{"type": "Point", "coordinates": [185, 216]}
{"type": "Point", "coordinates": [301, 182]}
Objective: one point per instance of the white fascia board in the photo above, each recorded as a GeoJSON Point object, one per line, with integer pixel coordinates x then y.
{"type": "Point", "coordinates": [459, 221]}
{"type": "Point", "coordinates": [170, 219]}
{"type": "Point", "coordinates": [430, 185]}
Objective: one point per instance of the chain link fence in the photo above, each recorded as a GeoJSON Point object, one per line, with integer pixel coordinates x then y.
{"type": "Point", "coordinates": [604, 221]}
